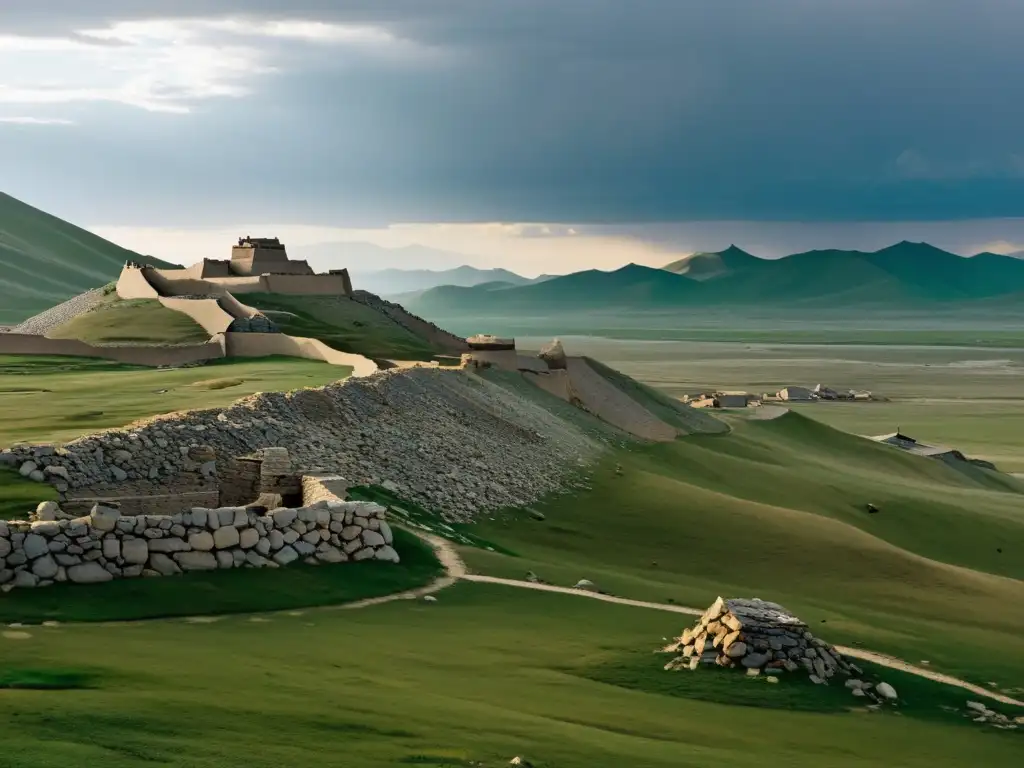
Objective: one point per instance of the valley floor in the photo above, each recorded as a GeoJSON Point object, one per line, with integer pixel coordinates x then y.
{"type": "Point", "coordinates": [774, 509]}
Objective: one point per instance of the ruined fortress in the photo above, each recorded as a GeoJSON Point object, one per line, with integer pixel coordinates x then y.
{"type": "Point", "coordinates": [257, 265]}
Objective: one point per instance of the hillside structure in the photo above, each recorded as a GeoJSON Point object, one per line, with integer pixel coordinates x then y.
{"type": "Point", "coordinates": [257, 265]}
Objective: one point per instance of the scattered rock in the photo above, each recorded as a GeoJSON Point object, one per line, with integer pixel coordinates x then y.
{"type": "Point", "coordinates": [886, 691]}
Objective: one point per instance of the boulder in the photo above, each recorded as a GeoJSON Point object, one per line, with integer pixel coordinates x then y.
{"type": "Point", "coordinates": [104, 518]}
{"type": "Point", "coordinates": [48, 528]}
{"type": "Point", "coordinates": [886, 691]}
{"type": "Point", "coordinates": [47, 511]}
{"type": "Point", "coordinates": [170, 544]}
{"type": "Point", "coordinates": [111, 548]}
{"type": "Point", "coordinates": [88, 573]}
{"type": "Point", "coordinates": [373, 539]}
{"type": "Point", "coordinates": [196, 561]}
{"type": "Point", "coordinates": [25, 579]}
{"type": "Point", "coordinates": [45, 567]}
{"type": "Point", "coordinates": [135, 551]}
{"type": "Point", "coordinates": [28, 468]}
{"type": "Point", "coordinates": [226, 537]}
{"type": "Point", "coordinates": [736, 650]}
{"type": "Point", "coordinates": [35, 546]}
{"type": "Point", "coordinates": [285, 555]}
{"type": "Point", "coordinates": [387, 554]}
{"type": "Point", "coordinates": [248, 538]}
{"type": "Point", "coordinates": [201, 541]}
{"type": "Point", "coordinates": [57, 471]}
{"type": "Point", "coordinates": [162, 565]}
{"type": "Point", "coordinates": [225, 559]}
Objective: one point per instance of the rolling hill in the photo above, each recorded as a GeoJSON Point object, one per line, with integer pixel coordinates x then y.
{"type": "Point", "coordinates": [907, 274]}
{"type": "Point", "coordinates": [394, 282]}
{"type": "Point", "coordinates": [45, 260]}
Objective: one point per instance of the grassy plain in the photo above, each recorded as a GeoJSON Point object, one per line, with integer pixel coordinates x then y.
{"type": "Point", "coordinates": [57, 399]}
{"type": "Point", "coordinates": [967, 398]}
{"type": "Point", "coordinates": [484, 674]}
{"type": "Point", "coordinates": [774, 509]}
{"type": "Point", "coordinates": [135, 321]}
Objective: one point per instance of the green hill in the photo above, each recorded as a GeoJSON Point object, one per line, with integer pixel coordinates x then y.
{"type": "Point", "coordinates": [906, 274]}
{"type": "Point", "coordinates": [393, 282]}
{"type": "Point", "coordinates": [44, 260]}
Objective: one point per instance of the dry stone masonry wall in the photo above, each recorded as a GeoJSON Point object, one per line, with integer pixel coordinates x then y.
{"type": "Point", "coordinates": [105, 545]}
{"type": "Point", "coordinates": [450, 440]}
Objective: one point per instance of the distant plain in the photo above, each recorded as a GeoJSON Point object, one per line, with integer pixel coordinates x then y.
{"type": "Point", "coordinates": [969, 398]}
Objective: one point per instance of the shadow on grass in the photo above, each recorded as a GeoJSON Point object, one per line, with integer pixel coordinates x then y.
{"type": "Point", "coordinates": [45, 679]}
{"type": "Point", "coordinates": [245, 590]}
{"type": "Point", "coordinates": [918, 697]}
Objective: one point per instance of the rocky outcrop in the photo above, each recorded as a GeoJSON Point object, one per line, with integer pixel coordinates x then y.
{"type": "Point", "coordinates": [450, 440]}
{"type": "Point", "coordinates": [106, 545]}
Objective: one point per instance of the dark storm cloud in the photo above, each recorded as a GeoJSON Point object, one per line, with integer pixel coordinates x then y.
{"type": "Point", "coordinates": [572, 110]}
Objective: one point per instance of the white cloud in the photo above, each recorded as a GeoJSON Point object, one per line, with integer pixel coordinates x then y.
{"type": "Point", "coordinates": [22, 120]}
{"type": "Point", "coordinates": [169, 65]}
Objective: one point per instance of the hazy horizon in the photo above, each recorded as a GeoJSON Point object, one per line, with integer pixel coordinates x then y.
{"type": "Point", "coordinates": [650, 129]}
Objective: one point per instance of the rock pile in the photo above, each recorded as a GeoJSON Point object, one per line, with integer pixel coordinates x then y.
{"type": "Point", "coordinates": [106, 545]}
{"type": "Point", "coordinates": [451, 441]}
{"type": "Point", "coordinates": [757, 635]}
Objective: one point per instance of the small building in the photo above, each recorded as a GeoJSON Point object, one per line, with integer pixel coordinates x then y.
{"type": "Point", "coordinates": [731, 399]}
{"type": "Point", "coordinates": [796, 394]}
{"type": "Point", "coordinates": [265, 255]}
{"type": "Point", "coordinates": [910, 445]}
{"type": "Point", "coordinates": [486, 342]}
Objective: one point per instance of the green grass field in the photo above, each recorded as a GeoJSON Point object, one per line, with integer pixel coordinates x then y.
{"type": "Point", "coordinates": [19, 496]}
{"type": "Point", "coordinates": [138, 321]}
{"type": "Point", "coordinates": [777, 510]}
{"type": "Point", "coordinates": [484, 674]}
{"type": "Point", "coordinates": [774, 509]}
{"type": "Point", "coordinates": [343, 324]}
{"type": "Point", "coordinates": [57, 399]}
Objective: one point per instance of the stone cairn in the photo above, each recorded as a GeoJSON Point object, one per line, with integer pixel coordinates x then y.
{"type": "Point", "coordinates": [760, 637]}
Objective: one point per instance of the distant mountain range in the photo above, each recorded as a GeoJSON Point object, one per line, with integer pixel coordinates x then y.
{"type": "Point", "coordinates": [907, 273]}
{"type": "Point", "coordinates": [399, 282]}
{"type": "Point", "coordinates": [45, 260]}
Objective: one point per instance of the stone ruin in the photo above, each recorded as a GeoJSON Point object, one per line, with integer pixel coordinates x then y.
{"type": "Point", "coordinates": [760, 637]}
{"type": "Point", "coordinates": [289, 517]}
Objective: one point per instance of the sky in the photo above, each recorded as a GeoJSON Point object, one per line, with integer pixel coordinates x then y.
{"type": "Point", "coordinates": [540, 135]}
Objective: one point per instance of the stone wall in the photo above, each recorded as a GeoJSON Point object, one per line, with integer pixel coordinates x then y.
{"type": "Point", "coordinates": [452, 441]}
{"type": "Point", "coordinates": [32, 344]}
{"type": "Point", "coordinates": [106, 544]}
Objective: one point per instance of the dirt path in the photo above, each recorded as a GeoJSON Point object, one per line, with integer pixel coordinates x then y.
{"type": "Point", "coordinates": [457, 571]}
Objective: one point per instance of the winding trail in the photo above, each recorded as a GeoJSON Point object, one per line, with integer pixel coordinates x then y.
{"type": "Point", "coordinates": [456, 571]}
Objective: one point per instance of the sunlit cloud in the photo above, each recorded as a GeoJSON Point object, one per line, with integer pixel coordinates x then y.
{"type": "Point", "coordinates": [24, 120]}
{"type": "Point", "coordinates": [170, 65]}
